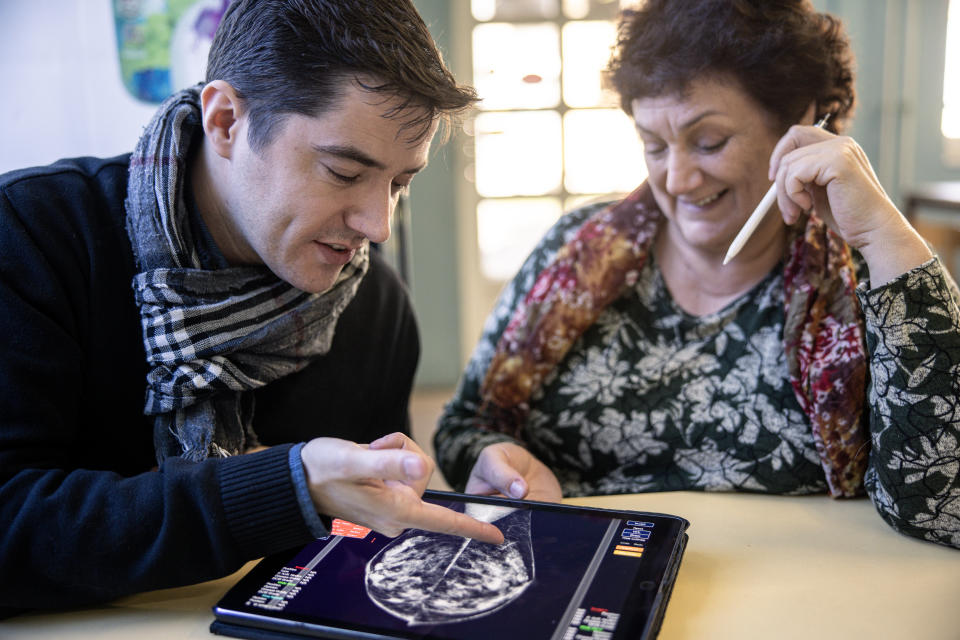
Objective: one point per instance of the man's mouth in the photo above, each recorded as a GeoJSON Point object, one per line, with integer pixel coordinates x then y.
{"type": "Point", "coordinates": [335, 253]}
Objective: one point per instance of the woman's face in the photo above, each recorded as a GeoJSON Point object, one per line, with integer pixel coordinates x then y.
{"type": "Point", "coordinates": [708, 152]}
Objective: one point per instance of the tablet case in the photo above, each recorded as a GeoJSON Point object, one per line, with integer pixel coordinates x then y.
{"type": "Point", "coordinates": [611, 571]}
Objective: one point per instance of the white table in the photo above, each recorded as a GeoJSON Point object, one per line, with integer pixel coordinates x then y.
{"type": "Point", "coordinates": [756, 566]}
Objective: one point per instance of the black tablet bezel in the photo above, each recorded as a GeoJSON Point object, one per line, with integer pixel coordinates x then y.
{"type": "Point", "coordinates": [648, 596]}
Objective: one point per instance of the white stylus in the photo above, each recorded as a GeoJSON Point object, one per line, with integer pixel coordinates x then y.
{"type": "Point", "coordinates": [754, 220]}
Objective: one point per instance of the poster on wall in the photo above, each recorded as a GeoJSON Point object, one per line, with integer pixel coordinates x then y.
{"type": "Point", "coordinates": [163, 44]}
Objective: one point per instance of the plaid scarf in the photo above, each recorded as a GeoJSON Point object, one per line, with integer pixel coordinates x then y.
{"type": "Point", "coordinates": [823, 328]}
{"type": "Point", "coordinates": [210, 336]}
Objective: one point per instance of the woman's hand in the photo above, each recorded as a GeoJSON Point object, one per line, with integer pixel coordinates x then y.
{"type": "Point", "coordinates": [512, 471]}
{"type": "Point", "coordinates": [380, 485]}
{"type": "Point", "coordinates": [814, 168]}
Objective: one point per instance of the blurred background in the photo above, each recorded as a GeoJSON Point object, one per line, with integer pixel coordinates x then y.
{"type": "Point", "coordinates": [82, 77]}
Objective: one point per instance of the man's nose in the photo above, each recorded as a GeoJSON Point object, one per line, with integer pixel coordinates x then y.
{"type": "Point", "coordinates": [683, 173]}
{"type": "Point", "coordinates": [371, 216]}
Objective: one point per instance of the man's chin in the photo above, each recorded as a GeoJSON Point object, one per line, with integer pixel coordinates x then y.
{"type": "Point", "coordinates": [318, 282]}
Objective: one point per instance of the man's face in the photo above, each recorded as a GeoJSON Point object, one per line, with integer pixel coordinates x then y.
{"type": "Point", "coordinates": [323, 187]}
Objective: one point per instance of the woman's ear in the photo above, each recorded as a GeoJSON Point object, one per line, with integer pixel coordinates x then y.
{"type": "Point", "coordinates": [222, 111]}
{"type": "Point", "coordinates": [810, 115]}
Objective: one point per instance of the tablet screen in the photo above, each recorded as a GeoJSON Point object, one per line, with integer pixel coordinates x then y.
{"type": "Point", "coordinates": [563, 572]}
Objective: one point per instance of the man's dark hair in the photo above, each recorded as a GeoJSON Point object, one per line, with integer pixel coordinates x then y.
{"type": "Point", "coordinates": [296, 56]}
{"type": "Point", "coordinates": [782, 52]}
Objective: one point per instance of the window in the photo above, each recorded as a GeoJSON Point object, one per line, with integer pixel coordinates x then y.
{"type": "Point", "coordinates": [950, 121]}
{"type": "Point", "coordinates": [549, 136]}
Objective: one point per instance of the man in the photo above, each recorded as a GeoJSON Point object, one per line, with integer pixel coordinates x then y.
{"type": "Point", "coordinates": [224, 267]}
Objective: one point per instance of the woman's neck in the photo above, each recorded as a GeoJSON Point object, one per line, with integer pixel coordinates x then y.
{"type": "Point", "coordinates": [698, 280]}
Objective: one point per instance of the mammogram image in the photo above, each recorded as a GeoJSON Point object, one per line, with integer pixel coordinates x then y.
{"type": "Point", "coordinates": [433, 578]}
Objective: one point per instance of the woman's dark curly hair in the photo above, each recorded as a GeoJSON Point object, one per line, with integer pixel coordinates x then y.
{"type": "Point", "coordinates": [782, 52]}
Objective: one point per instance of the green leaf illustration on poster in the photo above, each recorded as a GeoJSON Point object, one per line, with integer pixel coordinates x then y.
{"type": "Point", "coordinates": [162, 44]}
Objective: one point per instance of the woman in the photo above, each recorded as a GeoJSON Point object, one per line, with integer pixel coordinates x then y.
{"type": "Point", "coordinates": [625, 357]}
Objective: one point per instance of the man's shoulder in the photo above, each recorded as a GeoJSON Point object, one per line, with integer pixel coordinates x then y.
{"type": "Point", "coordinates": [67, 217]}
{"type": "Point", "coordinates": [88, 167]}
{"type": "Point", "coordinates": [80, 189]}
{"type": "Point", "coordinates": [69, 185]}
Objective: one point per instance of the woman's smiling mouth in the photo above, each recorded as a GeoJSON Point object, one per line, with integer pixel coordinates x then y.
{"type": "Point", "coordinates": [703, 202]}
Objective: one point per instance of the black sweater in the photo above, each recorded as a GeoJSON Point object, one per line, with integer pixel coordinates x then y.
{"type": "Point", "coordinates": [83, 515]}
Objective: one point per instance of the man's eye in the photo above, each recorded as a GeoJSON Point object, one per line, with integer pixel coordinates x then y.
{"type": "Point", "coordinates": [341, 177]}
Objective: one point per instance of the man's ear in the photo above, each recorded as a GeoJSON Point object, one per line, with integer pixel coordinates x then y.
{"type": "Point", "coordinates": [222, 111]}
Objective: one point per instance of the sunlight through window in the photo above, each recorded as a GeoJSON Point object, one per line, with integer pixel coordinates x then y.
{"type": "Point", "coordinates": [549, 134]}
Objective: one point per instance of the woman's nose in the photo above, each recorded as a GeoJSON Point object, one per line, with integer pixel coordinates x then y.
{"type": "Point", "coordinates": [683, 173]}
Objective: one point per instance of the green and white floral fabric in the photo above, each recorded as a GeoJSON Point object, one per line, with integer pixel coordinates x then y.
{"type": "Point", "coordinates": [652, 398]}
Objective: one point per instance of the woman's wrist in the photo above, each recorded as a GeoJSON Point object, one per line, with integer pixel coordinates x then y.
{"type": "Point", "coordinates": [891, 252]}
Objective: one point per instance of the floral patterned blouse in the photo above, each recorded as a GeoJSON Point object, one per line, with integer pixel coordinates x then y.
{"type": "Point", "coordinates": [652, 398]}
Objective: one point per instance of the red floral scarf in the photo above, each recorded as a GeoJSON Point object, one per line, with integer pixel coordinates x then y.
{"type": "Point", "coordinates": [823, 329]}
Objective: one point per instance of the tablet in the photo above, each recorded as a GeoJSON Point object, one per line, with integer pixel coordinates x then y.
{"type": "Point", "coordinates": [563, 573]}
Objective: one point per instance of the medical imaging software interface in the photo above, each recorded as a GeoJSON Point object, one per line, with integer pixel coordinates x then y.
{"type": "Point", "coordinates": [556, 576]}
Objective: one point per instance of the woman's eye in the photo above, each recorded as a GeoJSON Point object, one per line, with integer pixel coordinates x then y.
{"type": "Point", "coordinates": [709, 146]}
{"type": "Point", "coordinates": [653, 148]}
{"type": "Point", "coordinates": [401, 187]}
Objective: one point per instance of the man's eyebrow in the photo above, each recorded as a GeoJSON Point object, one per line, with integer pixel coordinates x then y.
{"type": "Point", "coordinates": [356, 155]}
{"type": "Point", "coordinates": [689, 123]}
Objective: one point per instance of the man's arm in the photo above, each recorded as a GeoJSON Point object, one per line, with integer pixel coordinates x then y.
{"type": "Point", "coordinates": [82, 517]}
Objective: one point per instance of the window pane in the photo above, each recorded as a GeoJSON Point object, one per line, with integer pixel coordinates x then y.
{"type": "Point", "coordinates": [518, 153]}
{"type": "Point", "coordinates": [517, 66]}
{"type": "Point", "coordinates": [586, 51]}
{"type": "Point", "coordinates": [484, 10]}
{"type": "Point", "coordinates": [508, 230]}
{"type": "Point", "coordinates": [606, 9]}
{"type": "Point", "coordinates": [602, 152]}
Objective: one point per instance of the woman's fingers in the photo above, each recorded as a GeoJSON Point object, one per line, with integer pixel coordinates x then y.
{"type": "Point", "coordinates": [497, 471]}
{"type": "Point", "coordinates": [511, 470]}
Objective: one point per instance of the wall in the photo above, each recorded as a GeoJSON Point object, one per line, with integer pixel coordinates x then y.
{"type": "Point", "coordinates": [899, 46]}
{"type": "Point", "coordinates": [61, 80]}
{"type": "Point", "coordinates": [434, 231]}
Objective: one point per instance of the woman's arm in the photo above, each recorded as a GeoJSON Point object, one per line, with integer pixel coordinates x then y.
{"type": "Point", "coordinates": [913, 337]}
{"type": "Point", "coordinates": [913, 331]}
{"type": "Point", "coordinates": [462, 434]}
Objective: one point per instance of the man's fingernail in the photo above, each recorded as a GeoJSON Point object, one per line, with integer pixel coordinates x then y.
{"type": "Point", "coordinates": [516, 489]}
{"type": "Point", "coordinates": [412, 467]}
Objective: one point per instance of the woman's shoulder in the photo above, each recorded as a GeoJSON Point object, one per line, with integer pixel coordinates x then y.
{"type": "Point", "coordinates": [563, 231]}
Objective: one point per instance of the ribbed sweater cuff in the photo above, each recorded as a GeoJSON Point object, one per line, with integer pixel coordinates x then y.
{"type": "Point", "coordinates": [260, 502]}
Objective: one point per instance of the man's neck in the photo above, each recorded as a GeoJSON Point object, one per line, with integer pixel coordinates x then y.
{"type": "Point", "coordinates": [210, 202]}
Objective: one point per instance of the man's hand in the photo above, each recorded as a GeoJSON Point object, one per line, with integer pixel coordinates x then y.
{"type": "Point", "coordinates": [379, 486]}
{"type": "Point", "coordinates": [511, 470]}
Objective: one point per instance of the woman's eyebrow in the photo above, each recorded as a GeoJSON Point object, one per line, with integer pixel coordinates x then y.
{"type": "Point", "coordinates": [687, 124]}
